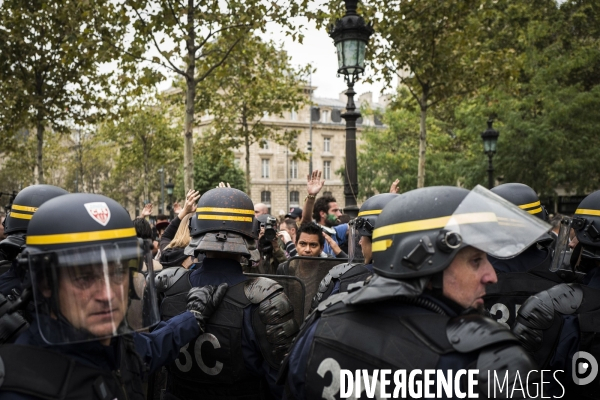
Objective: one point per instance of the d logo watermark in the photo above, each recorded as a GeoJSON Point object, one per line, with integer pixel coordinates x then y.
{"type": "Point", "coordinates": [585, 368]}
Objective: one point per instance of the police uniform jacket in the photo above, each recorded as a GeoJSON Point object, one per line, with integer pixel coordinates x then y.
{"type": "Point", "coordinates": [215, 271]}
{"type": "Point", "coordinates": [154, 349]}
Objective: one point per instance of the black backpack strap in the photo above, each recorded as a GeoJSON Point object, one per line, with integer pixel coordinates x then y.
{"type": "Point", "coordinates": [44, 374]}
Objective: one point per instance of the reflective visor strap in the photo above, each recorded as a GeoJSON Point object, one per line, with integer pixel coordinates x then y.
{"type": "Point", "coordinates": [428, 224]}
{"type": "Point", "coordinates": [21, 215]}
{"type": "Point", "coordinates": [225, 214]}
{"type": "Point", "coordinates": [81, 237]}
{"type": "Point", "coordinates": [535, 207]}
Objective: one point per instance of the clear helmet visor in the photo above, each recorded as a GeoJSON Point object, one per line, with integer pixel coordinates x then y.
{"type": "Point", "coordinates": [355, 253]}
{"type": "Point", "coordinates": [94, 293]}
{"type": "Point", "coordinates": [491, 224]}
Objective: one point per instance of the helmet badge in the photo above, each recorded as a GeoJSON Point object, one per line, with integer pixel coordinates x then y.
{"type": "Point", "coordinates": [99, 211]}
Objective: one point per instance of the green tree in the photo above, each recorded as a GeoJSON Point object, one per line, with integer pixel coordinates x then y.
{"type": "Point", "coordinates": [548, 115]}
{"type": "Point", "coordinates": [146, 140]}
{"type": "Point", "coordinates": [50, 69]}
{"type": "Point", "coordinates": [258, 80]}
{"type": "Point", "coordinates": [203, 34]}
{"type": "Point", "coordinates": [438, 50]}
{"type": "Point", "coordinates": [214, 166]}
{"type": "Point", "coordinates": [388, 153]}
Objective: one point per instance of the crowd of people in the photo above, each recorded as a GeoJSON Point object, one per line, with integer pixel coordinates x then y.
{"type": "Point", "coordinates": [225, 301]}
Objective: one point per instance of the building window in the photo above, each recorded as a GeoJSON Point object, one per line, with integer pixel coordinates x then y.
{"type": "Point", "coordinates": [264, 144]}
{"type": "Point", "coordinates": [326, 170]}
{"type": "Point", "coordinates": [293, 169]}
{"type": "Point", "coordinates": [327, 145]}
{"type": "Point", "coordinates": [294, 198]}
{"type": "Point", "coordinates": [325, 116]}
{"type": "Point", "coordinates": [236, 162]}
{"type": "Point", "coordinates": [265, 168]}
{"type": "Point", "coordinates": [327, 194]}
{"type": "Point", "coordinates": [265, 197]}
{"type": "Point", "coordinates": [293, 115]}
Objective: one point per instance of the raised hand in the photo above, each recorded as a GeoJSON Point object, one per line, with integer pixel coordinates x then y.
{"type": "Point", "coordinates": [394, 187]}
{"type": "Point", "coordinates": [314, 183]}
{"type": "Point", "coordinates": [190, 203]}
{"type": "Point", "coordinates": [147, 210]}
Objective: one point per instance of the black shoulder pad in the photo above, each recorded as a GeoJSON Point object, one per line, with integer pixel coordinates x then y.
{"type": "Point", "coordinates": [275, 327]}
{"type": "Point", "coordinates": [331, 300]}
{"type": "Point", "coordinates": [472, 332]}
{"type": "Point", "coordinates": [566, 298]}
{"type": "Point", "coordinates": [509, 360]}
{"type": "Point", "coordinates": [536, 315]}
{"type": "Point", "coordinates": [166, 278]}
{"type": "Point", "coordinates": [537, 312]}
{"type": "Point", "coordinates": [325, 285]}
{"type": "Point", "coordinates": [256, 290]}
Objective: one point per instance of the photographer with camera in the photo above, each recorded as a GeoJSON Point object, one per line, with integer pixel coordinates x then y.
{"type": "Point", "coordinates": [271, 252]}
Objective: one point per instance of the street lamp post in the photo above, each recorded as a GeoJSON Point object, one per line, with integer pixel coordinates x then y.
{"type": "Point", "coordinates": [170, 187]}
{"type": "Point", "coordinates": [351, 35]}
{"type": "Point", "coordinates": [490, 140]}
{"type": "Point", "coordinates": [162, 190]}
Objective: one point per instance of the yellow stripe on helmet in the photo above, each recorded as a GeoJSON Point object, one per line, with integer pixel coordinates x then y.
{"type": "Point", "coordinates": [587, 211]}
{"type": "Point", "coordinates": [80, 237]}
{"type": "Point", "coordinates": [370, 212]}
{"type": "Point", "coordinates": [435, 223]}
{"type": "Point", "coordinates": [23, 208]}
{"type": "Point", "coordinates": [381, 245]}
{"type": "Point", "coordinates": [20, 216]}
{"type": "Point", "coordinates": [225, 210]}
{"type": "Point", "coordinates": [535, 210]}
{"type": "Point", "coordinates": [529, 205]}
{"type": "Point", "coordinates": [225, 218]}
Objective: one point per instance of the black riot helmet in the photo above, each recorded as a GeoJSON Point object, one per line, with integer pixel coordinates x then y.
{"type": "Point", "coordinates": [420, 232]}
{"type": "Point", "coordinates": [523, 197]}
{"type": "Point", "coordinates": [224, 222]}
{"type": "Point", "coordinates": [26, 204]}
{"type": "Point", "coordinates": [224, 209]}
{"type": "Point", "coordinates": [370, 210]}
{"type": "Point", "coordinates": [586, 220]}
{"type": "Point", "coordinates": [85, 259]}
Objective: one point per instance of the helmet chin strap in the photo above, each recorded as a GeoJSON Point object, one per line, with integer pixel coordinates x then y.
{"type": "Point", "coordinates": [437, 282]}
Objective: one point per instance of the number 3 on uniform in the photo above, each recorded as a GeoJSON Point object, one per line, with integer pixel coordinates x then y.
{"type": "Point", "coordinates": [504, 313]}
{"type": "Point", "coordinates": [186, 366]}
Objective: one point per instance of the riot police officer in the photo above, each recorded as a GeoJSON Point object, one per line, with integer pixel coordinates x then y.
{"type": "Point", "coordinates": [24, 206]}
{"type": "Point", "coordinates": [340, 277]}
{"type": "Point", "coordinates": [529, 272]}
{"type": "Point", "coordinates": [240, 352]}
{"type": "Point", "coordinates": [85, 262]}
{"type": "Point", "coordinates": [557, 324]}
{"type": "Point", "coordinates": [418, 310]}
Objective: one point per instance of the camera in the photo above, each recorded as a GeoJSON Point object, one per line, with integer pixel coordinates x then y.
{"type": "Point", "coordinates": [270, 229]}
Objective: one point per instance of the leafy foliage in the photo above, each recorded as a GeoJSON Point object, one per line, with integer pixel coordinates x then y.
{"type": "Point", "coordinates": [258, 80]}
{"type": "Point", "coordinates": [50, 69]}
{"type": "Point", "coordinates": [147, 141]}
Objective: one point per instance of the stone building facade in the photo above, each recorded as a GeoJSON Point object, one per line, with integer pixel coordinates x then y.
{"type": "Point", "coordinates": [279, 181]}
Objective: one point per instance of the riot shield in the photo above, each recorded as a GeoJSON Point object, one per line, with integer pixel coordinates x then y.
{"type": "Point", "coordinates": [294, 289]}
{"type": "Point", "coordinates": [311, 271]}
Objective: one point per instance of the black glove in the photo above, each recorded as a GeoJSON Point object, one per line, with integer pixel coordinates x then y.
{"type": "Point", "coordinates": [203, 301]}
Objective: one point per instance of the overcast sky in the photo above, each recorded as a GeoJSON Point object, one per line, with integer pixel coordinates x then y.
{"type": "Point", "coordinates": [318, 50]}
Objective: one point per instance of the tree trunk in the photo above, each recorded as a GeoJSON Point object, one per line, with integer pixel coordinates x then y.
{"type": "Point", "coordinates": [247, 147]}
{"type": "Point", "coordinates": [188, 141]}
{"type": "Point", "coordinates": [422, 143]}
{"type": "Point", "coordinates": [40, 148]}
